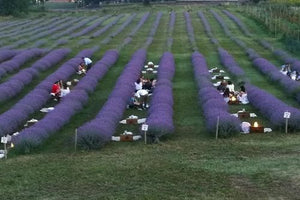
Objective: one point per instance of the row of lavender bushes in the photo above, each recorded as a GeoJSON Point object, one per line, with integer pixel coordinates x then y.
{"type": "Point", "coordinates": [266, 67]}
{"type": "Point", "coordinates": [170, 30]}
{"type": "Point", "coordinates": [128, 39]}
{"type": "Point", "coordinates": [228, 61]}
{"type": "Point", "coordinates": [6, 54]}
{"type": "Point", "coordinates": [73, 28]}
{"type": "Point", "coordinates": [25, 31]}
{"type": "Point", "coordinates": [17, 30]}
{"type": "Point", "coordinates": [105, 28]}
{"type": "Point", "coordinates": [273, 109]}
{"type": "Point", "coordinates": [283, 55]}
{"type": "Point", "coordinates": [10, 26]}
{"type": "Point", "coordinates": [190, 31]}
{"type": "Point", "coordinates": [207, 28]}
{"type": "Point", "coordinates": [39, 32]}
{"type": "Point", "coordinates": [238, 22]}
{"type": "Point", "coordinates": [153, 30]}
{"type": "Point", "coordinates": [97, 132]}
{"type": "Point", "coordinates": [212, 103]}
{"type": "Point", "coordinates": [20, 59]}
{"type": "Point", "coordinates": [35, 135]}
{"type": "Point", "coordinates": [15, 117]}
{"type": "Point", "coordinates": [160, 114]}
{"type": "Point", "coordinates": [90, 28]}
{"type": "Point", "coordinates": [16, 83]}
{"type": "Point", "coordinates": [119, 30]}
{"type": "Point", "coordinates": [226, 29]}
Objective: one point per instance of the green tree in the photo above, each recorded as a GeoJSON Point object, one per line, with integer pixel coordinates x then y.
{"type": "Point", "coordinates": [14, 7]}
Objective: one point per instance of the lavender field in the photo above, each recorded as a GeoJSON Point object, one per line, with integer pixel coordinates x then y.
{"type": "Point", "coordinates": [183, 159]}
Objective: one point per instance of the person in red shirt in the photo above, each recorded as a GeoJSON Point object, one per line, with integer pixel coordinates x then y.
{"type": "Point", "coordinates": [55, 91]}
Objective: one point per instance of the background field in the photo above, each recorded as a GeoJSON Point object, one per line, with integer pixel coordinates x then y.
{"type": "Point", "coordinates": [190, 164]}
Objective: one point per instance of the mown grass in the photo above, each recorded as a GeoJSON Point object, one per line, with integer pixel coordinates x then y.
{"type": "Point", "coordinates": [190, 164]}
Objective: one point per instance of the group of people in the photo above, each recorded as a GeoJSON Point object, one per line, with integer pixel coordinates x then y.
{"type": "Point", "coordinates": [226, 88]}
{"type": "Point", "coordinates": [286, 70]}
{"type": "Point", "coordinates": [59, 89]}
{"type": "Point", "coordinates": [143, 89]}
{"type": "Point", "coordinates": [84, 66]}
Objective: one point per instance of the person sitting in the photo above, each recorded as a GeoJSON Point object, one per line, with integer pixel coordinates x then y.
{"type": "Point", "coordinates": [87, 62]}
{"type": "Point", "coordinates": [153, 82]}
{"type": "Point", "coordinates": [230, 86]}
{"type": "Point", "coordinates": [64, 90]}
{"type": "Point", "coordinates": [147, 85]}
{"type": "Point", "coordinates": [242, 96]}
{"type": "Point", "coordinates": [227, 95]}
{"type": "Point", "coordinates": [284, 70]}
{"type": "Point", "coordinates": [221, 88]}
{"type": "Point", "coordinates": [142, 96]}
{"type": "Point", "coordinates": [81, 69]}
{"type": "Point", "coordinates": [133, 102]}
{"type": "Point", "coordinates": [297, 76]}
{"type": "Point", "coordinates": [55, 91]}
{"type": "Point", "coordinates": [138, 84]}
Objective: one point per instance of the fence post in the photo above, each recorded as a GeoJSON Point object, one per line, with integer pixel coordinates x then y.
{"type": "Point", "coordinates": [75, 140]}
{"type": "Point", "coordinates": [217, 128]}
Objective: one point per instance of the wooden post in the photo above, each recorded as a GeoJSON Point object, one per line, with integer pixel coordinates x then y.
{"type": "Point", "coordinates": [217, 128]}
{"type": "Point", "coordinates": [286, 125]}
{"type": "Point", "coordinates": [5, 151]}
{"type": "Point", "coordinates": [75, 140]}
{"type": "Point", "coordinates": [145, 136]}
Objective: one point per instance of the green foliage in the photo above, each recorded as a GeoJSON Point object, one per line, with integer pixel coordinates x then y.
{"type": "Point", "coordinates": [14, 7]}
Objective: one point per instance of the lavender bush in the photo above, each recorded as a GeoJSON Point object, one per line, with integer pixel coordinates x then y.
{"type": "Point", "coordinates": [160, 115]}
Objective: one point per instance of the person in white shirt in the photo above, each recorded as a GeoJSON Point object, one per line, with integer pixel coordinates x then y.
{"type": "Point", "coordinates": [230, 86]}
{"type": "Point", "coordinates": [142, 95]}
{"type": "Point", "coordinates": [242, 96]}
{"type": "Point", "coordinates": [138, 85]}
{"type": "Point", "coordinates": [87, 62]}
